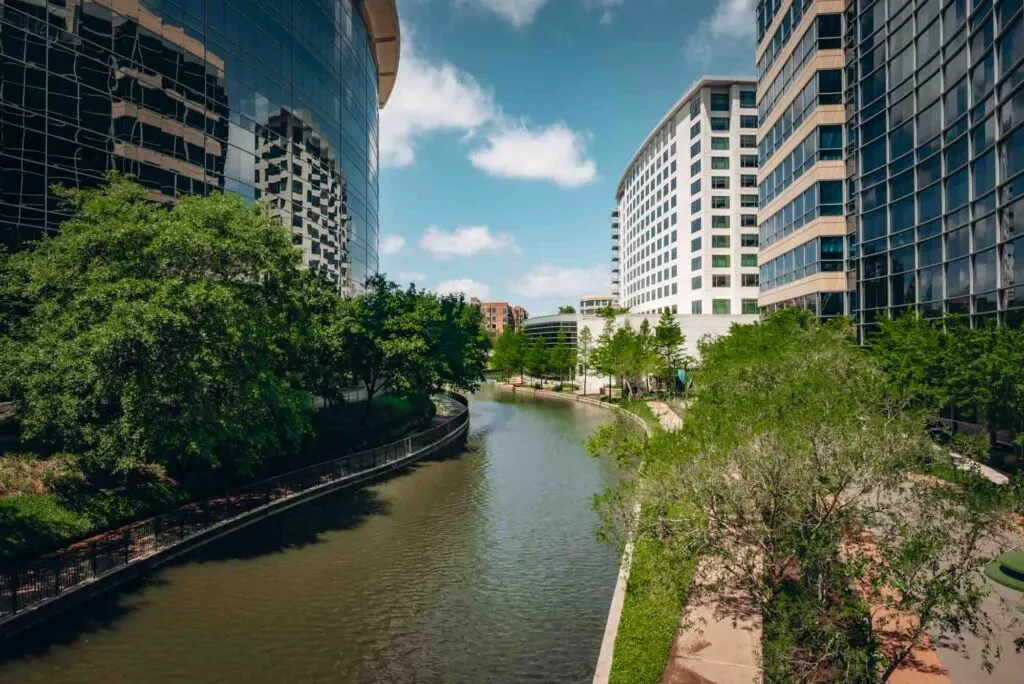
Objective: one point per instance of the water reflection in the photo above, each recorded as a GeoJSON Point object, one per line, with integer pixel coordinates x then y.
{"type": "Point", "coordinates": [479, 566]}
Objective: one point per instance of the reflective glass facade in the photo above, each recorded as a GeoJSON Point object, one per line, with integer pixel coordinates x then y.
{"type": "Point", "coordinates": [270, 99]}
{"type": "Point", "coordinates": [938, 194]}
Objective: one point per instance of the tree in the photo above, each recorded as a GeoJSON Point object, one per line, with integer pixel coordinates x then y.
{"type": "Point", "coordinates": [668, 343]}
{"type": "Point", "coordinates": [796, 478]}
{"type": "Point", "coordinates": [538, 359]}
{"type": "Point", "coordinates": [510, 352]}
{"type": "Point", "coordinates": [602, 356]}
{"type": "Point", "coordinates": [180, 336]}
{"type": "Point", "coordinates": [567, 309]}
{"type": "Point", "coordinates": [561, 356]}
{"type": "Point", "coordinates": [912, 352]}
{"type": "Point", "coordinates": [584, 347]}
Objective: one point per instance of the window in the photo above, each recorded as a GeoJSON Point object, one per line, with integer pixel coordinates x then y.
{"type": "Point", "coordinates": [748, 201]}
{"type": "Point", "coordinates": [719, 182]}
{"type": "Point", "coordinates": [749, 306]}
{"type": "Point", "coordinates": [748, 99]}
{"type": "Point", "coordinates": [719, 202]}
{"type": "Point", "coordinates": [695, 307]}
{"type": "Point", "coordinates": [695, 206]}
{"type": "Point", "coordinates": [720, 261]}
{"type": "Point", "coordinates": [748, 121]}
{"type": "Point", "coordinates": [719, 123]}
{"type": "Point", "coordinates": [719, 102]}
{"type": "Point", "coordinates": [748, 260]}
{"type": "Point", "coordinates": [720, 281]}
{"type": "Point", "coordinates": [719, 143]}
{"type": "Point", "coordinates": [748, 161]}
{"type": "Point", "coordinates": [719, 221]}
{"type": "Point", "coordinates": [694, 225]}
{"type": "Point", "coordinates": [748, 141]}
{"type": "Point", "coordinates": [695, 130]}
{"type": "Point", "coordinates": [695, 244]}
{"type": "Point", "coordinates": [720, 306]}
{"type": "Point", "coordinates": [720, 163]}
{"type": "Point", "coordinates": [748, 221]}
{"type": "Point", "coordinates": [748, 181]}
{"type": "Point", "coordinates": [695, 187]}
{"type": "Point", "coordinates": [695, 168]}
{"type": "Point", "coordinates": [695, 149]}
{"type": "Point", "coordinates": [720, 241]}
{"type": "Point", "coordinates": [750, 279]}
{"type": "Point", "coordinates": [695, 263]}
{"type": "Point", "coordinates": [695, 283]}
{"type": "Point", "coordinates": [750, 240]}
{"type": "Point", "coordinates": [695, 107]}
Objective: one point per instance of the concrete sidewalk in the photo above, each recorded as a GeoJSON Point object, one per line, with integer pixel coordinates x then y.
{"type": "Point", "coordinates": [666, 416]}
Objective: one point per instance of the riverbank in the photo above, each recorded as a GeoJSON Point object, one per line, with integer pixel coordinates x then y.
{"type": "Point", "coordinates": [31, 592]}
{"type": "Point", "coordinates": [44, 506]}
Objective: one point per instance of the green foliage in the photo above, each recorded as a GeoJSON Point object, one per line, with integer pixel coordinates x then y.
{"type": "Point", "coordinates": [143, 334]}
{"type": "Point", "coordinates": [567, 309]}
{"type": "Point", "coordinates": [795, 444]}
{"type": "Point", "coordinates": [627, 354]}
{"type": "Point", "coordinates": [562, 357]}
{"type": "Point", "coordinates": [538, 358]}
{"type": "Point", "coordinates": [510, 349]}
{"type": "Point", "coordinates": [978, 371]}
{"type": "Point", "coordinates": [658, 579]}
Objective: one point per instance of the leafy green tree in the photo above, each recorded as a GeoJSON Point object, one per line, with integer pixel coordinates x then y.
{"type": "Point", "coordinates": [913, 353]}
{"type": "Point", "coordinates": [602, 356]}
{"type": "Point", "coordinates": [561, 356]}
{"type": "Point", "coordinates": [584, 348]}
{"type": "Point", "coordinates": [668, 343]}
{"type": "Point", "coordinates": [567, 309]}
{"type": "Point", "coordinates": [180, 336]}
{"type": "Point", "coordinates": [538, 358]}
{"type": "Point", "coordinates": [510, 352]}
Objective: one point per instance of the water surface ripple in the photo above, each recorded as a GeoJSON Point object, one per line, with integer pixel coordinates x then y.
{"type": "Point", "coordinates": [478, 567]}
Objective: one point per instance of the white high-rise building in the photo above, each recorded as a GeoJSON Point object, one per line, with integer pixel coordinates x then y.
{"type": "Point", "coordinates": [686, 234]}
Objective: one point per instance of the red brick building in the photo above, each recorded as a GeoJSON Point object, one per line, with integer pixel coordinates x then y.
{"type": "Point", "coordinates": [500, 316]}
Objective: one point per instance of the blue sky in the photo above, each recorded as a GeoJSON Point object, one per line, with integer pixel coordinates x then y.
{"type": "Point", "coordinates": [511, 123]}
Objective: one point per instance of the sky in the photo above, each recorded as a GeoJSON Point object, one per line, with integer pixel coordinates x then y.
{"type": "Point", "coordinates": [511, 123]}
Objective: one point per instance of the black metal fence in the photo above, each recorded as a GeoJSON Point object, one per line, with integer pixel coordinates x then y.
{"type": "Point", "coordinates": [52, 575]}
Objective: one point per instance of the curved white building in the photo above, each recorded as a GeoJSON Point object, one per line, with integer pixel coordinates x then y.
{"type": "Point", "coordinates": [686, 233]}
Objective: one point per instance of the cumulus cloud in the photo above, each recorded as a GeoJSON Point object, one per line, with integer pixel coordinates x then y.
{"type": "Point", "coordinates": [429, 96]}
{"type": "Point", "coordinates": [552, 281]}
{"type": "Point", "coordinates": [466, 286]}
{"type": "Point", "coordinates": [392, 244]}
{"type": "Point", "coordinates": [731, 21]}
{"type": "Point", "coordinates": [406, 277]}
{"type": "Point", "coordinates": [464, 242]}
{"type": "Point", "coordinates": [519, 13]}
{"type": "Point", "coordinates": [555, 153]}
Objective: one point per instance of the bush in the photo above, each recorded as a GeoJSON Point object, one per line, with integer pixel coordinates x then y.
{"type": "Point", "coordinates": [32, 524]}
{"type": "Point", "coordinates": [537, 385]}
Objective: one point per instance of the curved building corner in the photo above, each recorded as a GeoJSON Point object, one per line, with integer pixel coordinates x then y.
{"type": "Point", "coordinates": [275, 100]}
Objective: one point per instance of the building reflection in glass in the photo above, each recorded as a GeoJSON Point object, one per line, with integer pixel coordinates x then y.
{"type": "Point", "coordinates": [270, 99]}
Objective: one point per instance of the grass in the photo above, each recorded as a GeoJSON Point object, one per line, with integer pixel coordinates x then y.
{"type": "Point", "coordinates": [658, 579]}
{"type": "Point", "coordinates": [640, 408]}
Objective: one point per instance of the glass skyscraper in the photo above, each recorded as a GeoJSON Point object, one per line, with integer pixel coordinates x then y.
{"type": "Point", "coordinates": [271, 99]}
{"type": "Point", "coordinates": [932, 150]}
{"type": "Point", "coordinates": [937, 196]}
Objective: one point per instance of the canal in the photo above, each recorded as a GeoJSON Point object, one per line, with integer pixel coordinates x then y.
{"type": "Point", "coordinates": [479, 566]}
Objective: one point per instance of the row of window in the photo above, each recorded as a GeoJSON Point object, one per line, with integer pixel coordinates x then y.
{"type": "Point", "coordinates": [724, 261]}
{"type": "Point", "coordinates": [790, 21]}
{"type": "Point", "coordinates": [824, 144]}
{"type": "Point", "coordinates": [719, 280]}
{"type": "Point", "coordinates": [723, 307]}
{"type": "Point", "coordinates": [825, 89]}
{"type": "Point", "coordinates": [824, 254]}
{"type": "Point", "coordinates": [720, 102]}
{"type": "Point", "coordinates": [824, 34]}
{"type": "Point", "coordinates": [824, 198]}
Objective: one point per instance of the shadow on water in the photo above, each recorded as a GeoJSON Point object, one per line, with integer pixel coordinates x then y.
{"type": "Point", "coordinates": [298, 528]}
{"type": "Point", "coordinates": [95, 615]}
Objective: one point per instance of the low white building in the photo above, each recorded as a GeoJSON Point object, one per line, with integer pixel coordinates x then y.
{"type": "Point", "coordinates": [591, 304]}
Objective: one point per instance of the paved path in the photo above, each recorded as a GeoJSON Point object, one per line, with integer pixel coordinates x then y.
{"type": "Point", "coordinates": [709, 648]}
{"type": "Point", "coordinates": [669, 420]}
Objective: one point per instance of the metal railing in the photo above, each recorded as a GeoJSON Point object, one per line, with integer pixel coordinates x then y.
{"type": "Point", "coordinates": [48, 577]}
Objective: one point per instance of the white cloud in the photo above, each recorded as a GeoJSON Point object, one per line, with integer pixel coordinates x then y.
{"type": "Point", "coordinates": [466, 286]}
{"type": "Point", "coordinates": [551, 281]}
{"type": "Point", "coordinates": [606, 8]}
{"type": "Point", "coordinates": [519, 13]}
{"type": "Point", "coordinates": [732, 21]}
{"type": "Point", "coordinates": [392, 244]}
{"type": "Point", "coordinates": [554, 153]}
{"type": "Point", "coordinates": [405, 277]}
{"type": "Point", "coordinates": [464, 242]}
{"type": "Point", "coordinates": [429, 96]}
